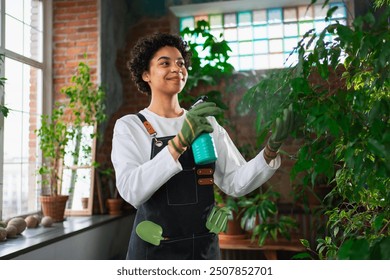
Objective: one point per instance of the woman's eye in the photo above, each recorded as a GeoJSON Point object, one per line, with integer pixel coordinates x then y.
{"type": "Point", "coordinates": [181, 64]}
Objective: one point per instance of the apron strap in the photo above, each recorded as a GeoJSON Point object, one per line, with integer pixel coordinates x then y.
{"type": "Point", "coordinates": [149, 129]}
{"type": "Point", "coordinates": [147, 125]}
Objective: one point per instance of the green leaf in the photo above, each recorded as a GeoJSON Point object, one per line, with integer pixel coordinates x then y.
{"type": "Point", "coordinates": [376, 147]}
{"type": "Point", "coordinates": [354, 249]}
{"type": "Point", "coordinates": [301, 256]}
{"type": "Point", "coordinates": [305, 243]}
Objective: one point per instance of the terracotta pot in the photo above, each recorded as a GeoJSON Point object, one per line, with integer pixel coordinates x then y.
{"type": "Point", "coordinates": [84, 202]}
{"type": "Point", "coordinates": [114, 206]}
{"type": "Point", "coordinates": [54, 206]}
{"type": "Point", "coordinates": [234, 230]}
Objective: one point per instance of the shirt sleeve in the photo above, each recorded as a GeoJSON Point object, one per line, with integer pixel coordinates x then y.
{"type": "Point", "coordinates": [137, 176]}
{"type": "Point", "coordinates": [234, 175]}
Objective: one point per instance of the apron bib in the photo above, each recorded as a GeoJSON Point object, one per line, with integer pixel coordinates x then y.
{"type": "Point", "coordinates": [181, 207]}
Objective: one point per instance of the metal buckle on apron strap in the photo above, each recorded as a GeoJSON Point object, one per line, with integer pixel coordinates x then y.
{"type": "Point", "coordinates": [150, 130]}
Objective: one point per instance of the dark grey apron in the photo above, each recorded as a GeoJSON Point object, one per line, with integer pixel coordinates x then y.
{"type": "Point", "coordinates": [180, 207]}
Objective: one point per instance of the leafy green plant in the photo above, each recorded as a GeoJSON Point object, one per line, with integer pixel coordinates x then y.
{"type": "Point", "coordinates": [84, 107]}
{"type": "Point", "coordinates": [339, 89]}
{"type": "Point", "coordinates": [209, 66]}
{"type": "Point", "coordinates": [260, 211]}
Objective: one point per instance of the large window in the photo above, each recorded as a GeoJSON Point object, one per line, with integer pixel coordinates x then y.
{"type": "Point", "coordinates": [264, 38]}
{"type": "Point", "coordinates": [22, 42]}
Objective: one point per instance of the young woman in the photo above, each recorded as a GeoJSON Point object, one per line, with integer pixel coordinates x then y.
{"type": "Point", "coordinates": [153, 161]}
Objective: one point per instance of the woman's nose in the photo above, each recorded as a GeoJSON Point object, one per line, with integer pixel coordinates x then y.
{"type": "Point", "coordinates": [176, 67]}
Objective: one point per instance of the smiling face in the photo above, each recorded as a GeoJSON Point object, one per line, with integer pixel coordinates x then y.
{"type": "Point", "coordinates": [167, 73]}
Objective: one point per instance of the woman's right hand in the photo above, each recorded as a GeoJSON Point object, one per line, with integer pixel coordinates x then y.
{"type": "Point", "coordinates": [194, 124]}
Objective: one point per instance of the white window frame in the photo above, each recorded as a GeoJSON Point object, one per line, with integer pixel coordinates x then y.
{"type": "Point", "coordinates": [45, 66]}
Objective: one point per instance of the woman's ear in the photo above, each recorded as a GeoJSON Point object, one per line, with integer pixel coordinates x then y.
{"type": "Point", "coordinates": [145, 77]}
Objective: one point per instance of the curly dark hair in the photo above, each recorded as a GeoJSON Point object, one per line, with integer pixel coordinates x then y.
{"type": "Point", "coordinates": [144, 50]}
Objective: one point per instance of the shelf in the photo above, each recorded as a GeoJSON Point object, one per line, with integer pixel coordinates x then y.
{"type": "Point", "coordinates": [270, 247]}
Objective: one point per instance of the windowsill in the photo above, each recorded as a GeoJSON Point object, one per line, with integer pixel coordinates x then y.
{"type": "Point", "coordinates": [35, 238]}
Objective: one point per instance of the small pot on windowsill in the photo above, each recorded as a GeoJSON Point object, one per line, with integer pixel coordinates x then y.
{"type": "Point", "coordinates": [114, 206]}
{"type": "Point", "coordinates": [84, 202]}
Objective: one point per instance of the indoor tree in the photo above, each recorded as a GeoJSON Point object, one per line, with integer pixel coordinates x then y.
{"type": "Point", "coordinates": [340, 91]}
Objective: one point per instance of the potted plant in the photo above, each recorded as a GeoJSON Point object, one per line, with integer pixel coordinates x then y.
{"type": "Point", "coordinates": [84, 106]}
{"type": "Point", "coordinates": [260, 216]}
{"type": "Point", "coordinates": [339, 89]}
{"type": "Point", "coordinates": [112, 201]}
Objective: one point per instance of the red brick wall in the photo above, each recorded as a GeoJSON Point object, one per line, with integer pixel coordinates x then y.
{"type": "Point", "coordinates": [75, 33]}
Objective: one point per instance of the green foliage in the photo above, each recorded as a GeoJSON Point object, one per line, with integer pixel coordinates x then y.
{"type": "Point", "coordinates": [381, 3]}
{"type": "Point", "coordinates": [84, 107]}
{"type": "Point", "coordinates": [340, 89]}
{"type": "Point", "coordinates": [209, 70]}
{"type": "Point", "coordinates": [260, 209]}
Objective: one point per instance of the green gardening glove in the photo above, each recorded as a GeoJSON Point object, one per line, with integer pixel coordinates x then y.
{"type": "Point", "coordinates": [196, 122]}
{"type": "Point", "coordinates": [217, 219]}
{"type": "Point", "coordinates": [282, 129]}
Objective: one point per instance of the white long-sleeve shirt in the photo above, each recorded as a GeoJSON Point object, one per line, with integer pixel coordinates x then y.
{"type": "Point", "coordinates": [138, 177]}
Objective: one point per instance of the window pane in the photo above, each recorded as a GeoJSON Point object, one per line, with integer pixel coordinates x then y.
{"type": "Point", "coordinates": [216, 21]}
{"type": "Point", "coordinates": [290, 14]}
{"type": "Point", "coordinates": [25, 34]}
{"type": "Point", "coordinates": [261, 62]}
{"type": "Point", "coordinates": [291, 29]}
{"type": "Point", "coordinates": [217, 33]}
{"type": "Point", "coordinates": [340, 11]}
{"type": "Point", "coordinates": [246, 48]}
{"type": "Point", "coordinates": [233, 60]}
{"type": "Point", "coordinates": [246, 62]}
{"type": "Point", "coordinates": [319, 12]}
{"type": "Point", "coordinates": [244, 18]}
{"type": "Point", "coordinates": [260, 17]}
{"type": "Point", "coordinates": [14, 8]}
{"type": "Point", "coordinates": [234, 48]}
{"type": "Point", "coordinates": [275, 45]}
{"type": "Point", "coordinates": [276, 60]}
{"type": "Point", "coordinates": [305, 13]}
{"type": "Point", "coordinates": [261, 46]}
{"type": "Point", "coordinates": [14, 39]}
{"type": "Point", "coordinates": [187, 22]}
{"type": "Point", "coordinates": [23, 90]}
{"type": "Point", "coordinates": [245, 33]}
{"type": "Point", "coordinates": [260, 32]}
{"type": "Point", "coordinates": [320, 25]}
{"type": "Point", "coordinates": [231, 34]}
{"type": "Point", "coordinates": [230, 20]}
{"type": "Point", "coordinates": [200, 18]}
{"type": "Point", "coordinates": [304, 27]}
{"type": "Point", "coordinates": [275, 31]}
{"type": "Point", "coordinates": [274, 15]}
{"type": "Point", "coordinates": [290, 59]}
{"type": "Point", "coordinates": [290, 44]}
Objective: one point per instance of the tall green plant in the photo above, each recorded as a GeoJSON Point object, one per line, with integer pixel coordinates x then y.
{"type": "Point", "coordinates": [340, 90]}
{"type": "Point", "coordinates": [84, 106]}
{"type": "Point", "coordinates": [209, 69]}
